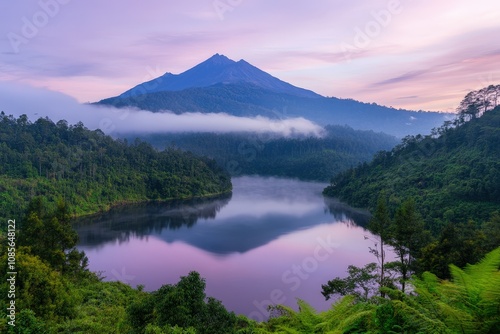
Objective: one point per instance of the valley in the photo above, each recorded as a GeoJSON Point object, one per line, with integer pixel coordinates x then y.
{"type": "Point", "coordinates": [328, 215]}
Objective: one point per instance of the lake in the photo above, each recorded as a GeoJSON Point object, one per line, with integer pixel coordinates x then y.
{"type": "Point", "coordinates": [272, 241]}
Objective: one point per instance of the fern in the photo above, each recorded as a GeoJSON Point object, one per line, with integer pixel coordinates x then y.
{"type": "Point", "coordinates": [470, 302]}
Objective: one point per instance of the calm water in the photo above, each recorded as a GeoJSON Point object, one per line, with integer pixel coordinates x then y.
{"type": "Point", "coordinates": [272, 241]}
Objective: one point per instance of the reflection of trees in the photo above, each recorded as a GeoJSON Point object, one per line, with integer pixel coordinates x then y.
{"type": "Point", "coordinates": [140, 220]}
{"type": "Point", "coordinates": [344, 213]}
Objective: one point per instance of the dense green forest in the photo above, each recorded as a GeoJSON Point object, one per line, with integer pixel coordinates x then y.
{"type": "Point", "coordinates": [91, 171]}
{"type": "Point", "coordinates": [454, 175]}
{"type": "Point", "coordinates": [453, 178]}
{"type": "Point", "coordinates": [307, 158]}
{"type": "Point", "coordinates": [55, 293]}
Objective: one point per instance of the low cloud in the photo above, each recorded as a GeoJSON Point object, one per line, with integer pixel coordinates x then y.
{"type": "Point", "coordinates": [17, 99]}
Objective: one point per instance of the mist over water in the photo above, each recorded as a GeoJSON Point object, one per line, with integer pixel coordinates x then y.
{"type": "Point", "coordinates": [272, 241]}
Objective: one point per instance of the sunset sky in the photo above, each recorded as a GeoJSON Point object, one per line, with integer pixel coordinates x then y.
{"type": "Point", "coordinates": [406, 54]}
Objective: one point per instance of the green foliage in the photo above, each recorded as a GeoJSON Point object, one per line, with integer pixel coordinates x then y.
{"type": "Point", "coordinates": [407, 237]}
{"type": "Point", "coordinates": [102, 308]}
{"type": "Point", "coordinates": [468, 303]}
{"type": "Point", "coordinates": [453, 177]}
{"type": "Point", "coordinates": [54, 291]}
{"type": "Point", "coordinates": [457, 243]}
{"type": "Point", "coordinates": [380, 224]}
{"type": "Point", "coordinates": [91, 171]}
{"type": "Point", "coordinates": [345, 316]}
{"type": "Point", "coordinates": [27, 323]}
{"type": "Point", "coordinates": [183, 305]}
{"type": "Point", "coordinates": [39, 288]}
{"type": "Point", "coordinates": [361, 283]}
{"type": "Point", "coordinates": [309, 158]}
{"type": "Point", "coordinates": [478, 102]}
{"type": "Point", "coordinates": [49, 235]}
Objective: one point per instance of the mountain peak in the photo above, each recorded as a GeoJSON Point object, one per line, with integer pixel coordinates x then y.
{"type": "Point", "coordinates": [219, 59]}
{"type": "Point", "coordinates": [216, 70]}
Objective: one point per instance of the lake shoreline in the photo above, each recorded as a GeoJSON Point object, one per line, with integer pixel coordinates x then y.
{"type": "Point", "coordinates": [123, 203]}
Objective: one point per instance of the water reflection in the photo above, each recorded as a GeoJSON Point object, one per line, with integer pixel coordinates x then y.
{"type": "Point", "coordinates": [141, 220]}
{"type": "Point", "coordinates": [343, 212]}
{"type": "Point", "coordinates": [247, 246]}
{"type": "Point", "coordinates": [259, 211]}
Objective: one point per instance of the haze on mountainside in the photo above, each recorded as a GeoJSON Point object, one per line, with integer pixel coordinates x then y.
{"type": "Point", "coordinates": [59, 106]}
{"type": "Point", "coordinates": [222, 85]}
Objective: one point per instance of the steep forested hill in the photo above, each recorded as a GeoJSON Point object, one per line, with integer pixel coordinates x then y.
{"type": "Point", "coordinates": [454, 174]}
{"type": "Point", "coordinates": [91, 171]}
{"type": "Point", "coordinates": [308, 158]}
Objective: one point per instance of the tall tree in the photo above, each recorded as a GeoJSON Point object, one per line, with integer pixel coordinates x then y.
{"type": "Point", "coordinates": [49, 235]}
{"type": "Point", "coordinates": [407, 236]}
{"type": "Point", "coordinates": [380, 224]}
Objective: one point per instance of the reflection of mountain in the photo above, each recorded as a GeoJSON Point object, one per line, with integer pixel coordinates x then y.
{"type": "Point", "coordinates": [242, 226]}
{"type": "Point", "coordinates": [143, 220]}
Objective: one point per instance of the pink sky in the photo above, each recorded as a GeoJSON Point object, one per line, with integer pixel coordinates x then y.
{"type": "Point", "coordinates": [402, 53]}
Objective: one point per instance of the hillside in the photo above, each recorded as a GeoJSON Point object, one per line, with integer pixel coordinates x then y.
{"type": "Point", "coordinates": [454, 175]}
{"type": "Point", "coordinates": [307, 158]}
{"type": "Point", "coordinates": [241, 89]}
{"type": "Point", "coordinates": [91, 171]}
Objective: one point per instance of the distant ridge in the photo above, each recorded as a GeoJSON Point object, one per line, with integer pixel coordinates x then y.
{"type": "Point", "coordinates": [215, 70]}
{"type": "Point", "coordinates": [222, 85]}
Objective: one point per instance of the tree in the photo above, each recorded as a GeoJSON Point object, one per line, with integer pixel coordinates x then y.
{"type": "Point", "coordinates": [183, 305]}
{"type": "Point", "coordinates": [360, 283]}
{"type": "Point", "coordinates": [380, 225]}
{"type": "Point", "coordinates": [49, 235]}
{"type": "Point", "coordinates": [406, 238]}
{"type": "Point", "coordinates": [40, 288]}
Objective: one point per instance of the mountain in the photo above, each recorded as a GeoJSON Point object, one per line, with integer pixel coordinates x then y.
{"type": "Point", "coordinates": [215, 70]}
{"type": "Point", "coordinates": [220, 84]}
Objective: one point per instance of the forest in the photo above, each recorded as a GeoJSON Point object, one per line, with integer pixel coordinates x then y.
{"type": "Point", "coordinates": [453, 178]}
{"type": "Point", "coordinates": [91, 171]}
{"type": "Point", "coordinates": [452, 173]}
{"type": "Point", "coordinates": [302, 157]}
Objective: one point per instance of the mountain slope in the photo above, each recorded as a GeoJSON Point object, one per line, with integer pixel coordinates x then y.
{"type": "Point", "coordinates": [455, 177]}
{"type": "Point", "coordinates": [217, 69]}
{"type": "Point", "coordinates": [248, 100]}
{"type": "Point", "coordinates": [238, 88]}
